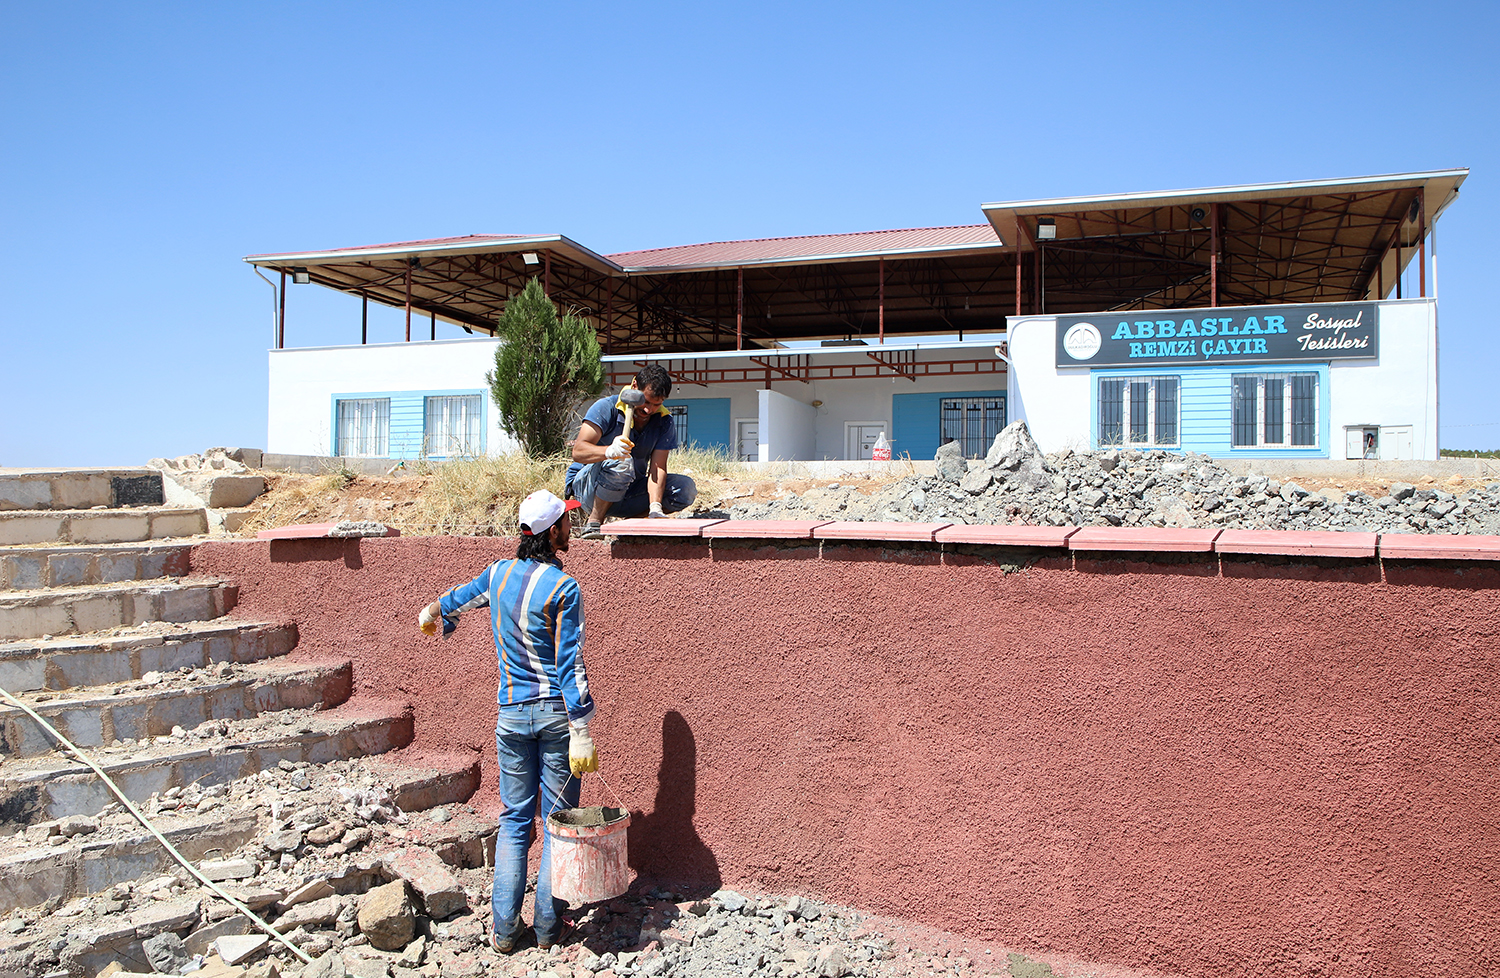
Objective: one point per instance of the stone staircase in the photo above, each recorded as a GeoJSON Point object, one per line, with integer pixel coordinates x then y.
{"type": "Point", "coordinates": [104, 635]}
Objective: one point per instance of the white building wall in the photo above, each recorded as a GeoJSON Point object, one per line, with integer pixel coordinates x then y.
{"type": "Point", "coordinates": [1397, 390]}
{"type": "Point", "coordinates": [786, 428]}
{"type": "Point", "coordinates": [1054, 403]}
{"type": "Point", "coordinates": [304, 383]}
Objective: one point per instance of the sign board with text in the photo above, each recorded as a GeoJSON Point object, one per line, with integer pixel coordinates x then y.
{"type": "Point", "coordinates": [1244, 334]}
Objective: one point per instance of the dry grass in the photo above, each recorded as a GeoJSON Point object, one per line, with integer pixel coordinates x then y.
{"type": "Point", "coordinates": [460, 497]}
{"type": "Point", "coordinates": [479, 496]}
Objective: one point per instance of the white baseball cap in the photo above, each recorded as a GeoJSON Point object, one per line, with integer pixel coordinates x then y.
{"type": "Point", "coordinates": [540, 510]}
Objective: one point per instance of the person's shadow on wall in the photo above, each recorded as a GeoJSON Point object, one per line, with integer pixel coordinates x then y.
{"type": "Point", "coordinates": [664, 846]}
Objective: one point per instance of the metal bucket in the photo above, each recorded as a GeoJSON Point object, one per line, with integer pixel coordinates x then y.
{"type": "Point", "coordinates": [589, 853]}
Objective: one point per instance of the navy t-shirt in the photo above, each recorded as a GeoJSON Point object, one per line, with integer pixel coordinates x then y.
{"type": "Point", "coordinates": [658, 433]}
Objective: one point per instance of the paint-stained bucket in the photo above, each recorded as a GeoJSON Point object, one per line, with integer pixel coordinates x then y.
{"type": "Point", "coordinates": [589, 853]}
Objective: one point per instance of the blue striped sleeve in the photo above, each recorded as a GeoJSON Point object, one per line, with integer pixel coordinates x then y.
{"type": "Point", "coordinates": [568, 632]}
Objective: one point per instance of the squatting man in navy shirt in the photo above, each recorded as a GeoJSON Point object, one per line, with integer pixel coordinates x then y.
{"type": "Point", "coordinates": [541, 731]}
{"type": "Point", "coordinates": [626, 477]}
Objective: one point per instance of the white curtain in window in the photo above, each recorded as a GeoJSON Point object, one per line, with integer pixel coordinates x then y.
{"type": "Point", "coordinates": [364, 426]}
{"type": "Point", "coordinates": [451, 426]}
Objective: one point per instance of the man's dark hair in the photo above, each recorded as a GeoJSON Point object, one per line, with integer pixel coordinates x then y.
{"type": "Point", "coordinates": [539, 547]}
{"type": "Point", "coordinates": [654, 377]}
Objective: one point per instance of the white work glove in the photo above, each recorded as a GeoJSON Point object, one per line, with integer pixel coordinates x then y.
{"type": "Point", "coordinates": [430, 618]}
{"type": "Point", "coordinates": [656, 512]}
{"type": "Point", "coordinates": [582, 758]}
{"type": "Point", "coordinates": [619, 448]}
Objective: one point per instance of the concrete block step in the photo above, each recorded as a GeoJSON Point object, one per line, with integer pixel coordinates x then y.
{"type": "Point", "coordinates": [33, 489]}
{"type": "Point", "coordinates": [91, 864]}
{"type": "Point", "coordinates": [50, 787]}
{"type": "Point", "coordinates": [143, 711]}
{"type": "Point", "coordinates": [128, 654]}
{"type": "Point", "coordinates": [22, 527]}
{"type": "Point", "coordinates": [428, 780]}
{"type": "Point", "coordinates": [29, 568]}
{"type": "Point", "coordinates": [76, 611]}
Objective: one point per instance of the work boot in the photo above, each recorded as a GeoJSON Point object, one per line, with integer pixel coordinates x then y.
{"type": "Point", "coordinates": [591, 531]}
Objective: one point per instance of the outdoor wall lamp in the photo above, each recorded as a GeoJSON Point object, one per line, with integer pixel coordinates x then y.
{"type": "Point", "coordinates": [300, 276]}
{"type": "Point", "coordinates": [1046, 229]}
{"type": "Point", "coordinates": [530, 258]}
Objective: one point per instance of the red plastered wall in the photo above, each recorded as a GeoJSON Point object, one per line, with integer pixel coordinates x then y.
{"type": "Point", "coordinates": [1196, 768]}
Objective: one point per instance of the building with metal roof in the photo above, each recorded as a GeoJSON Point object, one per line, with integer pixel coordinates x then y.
{"type": "Point", "coordinates": [805, 317]}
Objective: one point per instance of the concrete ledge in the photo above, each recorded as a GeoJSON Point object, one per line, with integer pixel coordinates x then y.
{"type": "Point", "coordinates": [1296, 543]}
{"type": "Point", "coordinates": [764, 529]}
{"type": "Point", "coordinates": [1148, 540]}
{"type": "Point", "coordinates": [1411, 546]}
{"type": "Point", "coordinates": [78, 661]}
{"type": "Point", "coordinates": [34, 876]}
{"type": "Point", "coordinates": [657, 528]}
{"type": "Point", "coordinates": [33, 614]}
{"type": "Point", "coordinates": [97, 720]}
{"type": "Point", "coordinates": [100, 525]}
{"type": "Point", "coordinates": [28, 568]}
{"type": "Point", "coordinates": [1008, 536]}
{"type": "Point", "coordinates": [879, 531]}
{"type": "Point", "coordinates": [1349, 546]}
{"type": "Point", "coordinates": [33, 489]}
{"type": "Point", "coordinates": [305, 531]}
{"type": "Point", "coordinates": [432, 780]}
{"type": "Point", "coordinates": [38, 789]}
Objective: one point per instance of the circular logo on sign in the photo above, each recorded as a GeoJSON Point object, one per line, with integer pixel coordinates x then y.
{"type": "Point", "coordinates": [1082, 341]}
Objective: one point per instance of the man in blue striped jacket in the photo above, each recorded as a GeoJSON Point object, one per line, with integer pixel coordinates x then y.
{"type": "Point", "coordinates": [542, 735]}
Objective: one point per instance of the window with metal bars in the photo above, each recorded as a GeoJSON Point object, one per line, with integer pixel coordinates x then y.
{"type": "Point", "coordinates": [1269, 410]}
{"type": "Point", "coordinates": [364, 427]}
{"type": "Point", "coordinates": [971, 421]}
{"type": "Point", "coordinates": [451, 425]}
{"type": "Point", "coordinates": [1139, 411]}
{"type": "Point", "coordinates": [680, 418]}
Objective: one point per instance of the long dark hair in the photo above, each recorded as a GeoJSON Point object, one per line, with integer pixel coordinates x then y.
{"type": "Point", "coordinates": [538, 547]}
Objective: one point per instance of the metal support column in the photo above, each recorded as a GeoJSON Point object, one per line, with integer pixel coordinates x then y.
{"type": "Point", "coordinates": [739, 315]}
{"type": "Point", "coordinates": [1213, 259]}
{"type": "Point", "coordinates": [281, 314]}
{"type": "Point", "coordinates": [408, 300]}
{"type": "Point", "coordinates": [364, 318]}
{"type": "Point", "coordinates": [1422, 243]}
{"type": "Point", "coordinates": [1018, 281]}
{"type": "Point", "coordinates": [882, 301]}
{"type": "Point", "coordinates": [434, 325]}
{"type": "Point", "coordinates": [547, 274]}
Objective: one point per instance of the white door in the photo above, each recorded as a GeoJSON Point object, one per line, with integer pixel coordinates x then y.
{"type": "Point", "coordinates": [860, 438]}
{"type": "Point", "coordinates": [747, 437]}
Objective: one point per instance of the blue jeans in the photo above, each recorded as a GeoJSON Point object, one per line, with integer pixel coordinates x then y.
{"type": "Point", "coordinates": [615, 482]}
{"type": "Point", "coordinates": [531, 744]}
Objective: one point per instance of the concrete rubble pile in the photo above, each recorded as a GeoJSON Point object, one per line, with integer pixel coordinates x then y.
{"type": "Point", "coordinates": [1015, 483]}
{"type": "Point", "coordinates": [367, 890]}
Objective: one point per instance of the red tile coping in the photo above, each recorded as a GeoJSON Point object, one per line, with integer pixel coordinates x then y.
{"type": "Point", "coordinates": [1300, 543]}
{"type": "Point", "coordinates": [1011, 535]}
{"type": "Point", "coordinates": [1147, 539]}
{"type": "Point", "coordinates": [657, 528]}
{"type": "Point", "coordinates": [765, 529]}
{"type": "Point", "coordinates": [876, 530]}
{"type": "Point", "coordinates": [302, 531]}
{"type": "Point", "coordinates": [1421, 546]}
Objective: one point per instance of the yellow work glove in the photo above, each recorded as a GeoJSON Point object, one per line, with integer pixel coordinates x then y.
{"type": "Point", "coordinates": [582, 758]}
{"type": "Point", "coordinates": [619, 448]}
{"type": "Point", "coordinates": [430, 619]}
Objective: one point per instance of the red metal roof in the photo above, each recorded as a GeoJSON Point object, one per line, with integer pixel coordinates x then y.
{"type": "Point", "coordinates": [462, 241]}
{"type": "Point", "coordinates": [810, 246]}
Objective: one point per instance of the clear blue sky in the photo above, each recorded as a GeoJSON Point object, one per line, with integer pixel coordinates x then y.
{"type": "Point", "coordinates": [148, 147]}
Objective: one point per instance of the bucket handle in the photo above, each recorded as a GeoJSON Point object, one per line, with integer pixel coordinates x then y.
{"type": "Point", "coordinates": [606, 784]}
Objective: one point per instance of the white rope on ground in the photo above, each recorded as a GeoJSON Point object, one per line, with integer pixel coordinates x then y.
{"type": "Point", "coordinates": [244, 910]}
